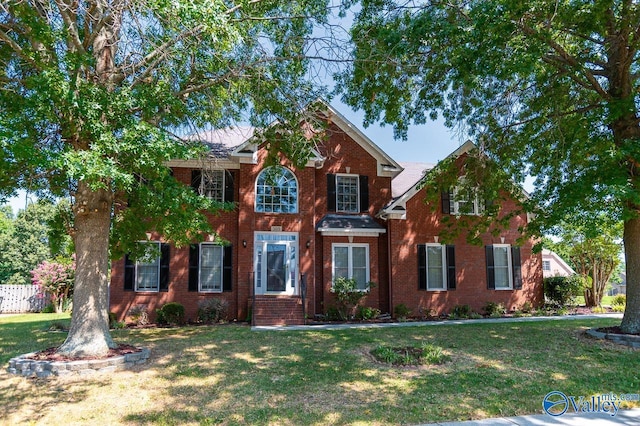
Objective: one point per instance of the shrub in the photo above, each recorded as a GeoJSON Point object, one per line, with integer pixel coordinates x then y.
{"type": "Point", "coordinates": [598, 310]}
{"type": "Point", "coordinates": [366, 313]}
{"type": "Point", "coordinates": [494, 310]}
{"type": "Point", "coordinates": [619, 300]}
{"type": "Point", "coordinates": [527, 307]}
{"type": "Point", "coordinates": [48, 309]}
{"type": "Point", "coordinates": [332, 314]}
{"type": "Point", "coordinates": [212, 311]}
{"type": "Point", "coordinates": [139, 314]}
{"type": "Point", "coordinates": [113, 319]}
{"type": "Point", "coordinates": [460, 312]}
{"type": "Point", "coordinates": [171, 313]}
{"type": "Point", "coordinates": [618, 308]}
{"type": "Point", "coordinates": [348, 295]}
{"type": "Point", "coordinates": [563, 290]}
{"type": "Point", "coordinates": [401, 311]}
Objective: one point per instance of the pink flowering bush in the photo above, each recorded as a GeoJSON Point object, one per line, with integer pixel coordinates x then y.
{"type": "Point", "coordinates": [55, 279]}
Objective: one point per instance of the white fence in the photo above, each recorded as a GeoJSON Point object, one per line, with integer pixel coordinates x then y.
{"type": "Point", "coordinates": [20, 298]}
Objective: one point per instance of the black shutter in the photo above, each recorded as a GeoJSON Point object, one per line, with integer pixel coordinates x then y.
{"type": "Point", "coordinates": [364, 193]}
{"type": "Point", "coordinates": [129, 273]}
{"type": "Point", "coordinates": [331, 192]}
{"type": "Point", "coordinates": [491, 276]}
{"type": "Point", "coordinates": [194, 266]}
{"type": "Point", "coordinates": [517, 268]}
{"type": "Point", "coordinates": [228, 186]}
{"type": "Point", "coordinates": [451, 268]}
{"type": "Point", "coordinates": [196, 179]}
{"type": "Point", "coordinates": [446, 202]}
{"type": "Point", "coordinates": [165, 251]}
{"type": "Point", "coordinates": [227, 261]}
{"type": "Point", "coordinates": [422, 267]}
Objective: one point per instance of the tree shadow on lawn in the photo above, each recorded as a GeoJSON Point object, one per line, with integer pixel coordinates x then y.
{"type": "Point", "coordinates": [238, 376]}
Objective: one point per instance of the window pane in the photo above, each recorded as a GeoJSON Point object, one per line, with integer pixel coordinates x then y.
{"type": "Point", "coordinates": [212, 184]}
{"type": "Point", "coordinates": [347, 194]}
{"type": "Point", "coordinates": [360, 275]}
{"type": "Point", "coordinates": [434, 256]}
{"type": "Point", "coordinates": [435, 271]}
{"type": "Point", "coordinates": [147, 269]}
{"type": "Point", "coordinates": [210, 267]}
{"type": "Point", "coordinates": [359, 257]}
{"type": "Point", "coordinates": [502, 277]}
{"type": "Point", "coordinates": [435, 278]}
{"type": "Point", "coordinates": [276, 191]}
{"type": "Point", "coordinates": [500, 256]}
{"type": "Point", "coordinates": [341, 257]}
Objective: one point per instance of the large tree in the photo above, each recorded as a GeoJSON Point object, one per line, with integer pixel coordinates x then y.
{"type": "Point", "coordinates": [93, 93]}
{"type": "Point", "coordinates": [546, 88]}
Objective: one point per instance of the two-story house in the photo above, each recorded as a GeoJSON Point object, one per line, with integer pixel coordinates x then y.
{"type": "Point", "coordinates": [352, 211]}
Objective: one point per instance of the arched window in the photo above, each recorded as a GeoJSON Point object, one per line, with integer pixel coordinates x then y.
{"type": "Point", "coordinates": [276, 191]}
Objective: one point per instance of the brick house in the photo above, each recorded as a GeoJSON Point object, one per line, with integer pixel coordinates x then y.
{"type": "Point", "coordinates": [351, 211]}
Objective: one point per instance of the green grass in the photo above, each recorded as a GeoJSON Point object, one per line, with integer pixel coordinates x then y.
{"type": "Point", "coordinates": [232, 375]}
{"type": "Point", "coordinates": [606, 300]}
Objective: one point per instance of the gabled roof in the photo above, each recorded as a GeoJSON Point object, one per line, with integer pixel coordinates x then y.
{"type": "Point", "coordinates": [398, 206]}
{"type": "Point", "coordinates": [412, 173]}
{"type": "Point", "coordinates": [222, 142]}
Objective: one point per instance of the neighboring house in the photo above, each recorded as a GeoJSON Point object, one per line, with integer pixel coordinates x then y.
{"type": "Point", "coordinates": [553, 265]}
{"type": "Point", "coordinates": [352, 211]}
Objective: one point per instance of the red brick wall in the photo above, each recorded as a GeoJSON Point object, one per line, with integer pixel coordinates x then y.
{"type": "Point", "coordinates": [422, 226]}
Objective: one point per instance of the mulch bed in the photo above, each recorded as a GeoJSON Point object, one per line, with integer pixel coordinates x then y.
{"type": "Point", "coordinates": [615, 330]}
{"type": "Point", "coordinates": [51, 354]}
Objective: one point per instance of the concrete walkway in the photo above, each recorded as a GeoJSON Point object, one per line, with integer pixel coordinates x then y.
{"type": "Point", "coordinates": [432, 323]}
{"type": "Point", "coordinates": [624, 417]}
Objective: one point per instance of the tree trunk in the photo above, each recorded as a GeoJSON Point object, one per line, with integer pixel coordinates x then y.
{"type": "Point", "coordinates": [89, 333]}
{"type": "Point", "coordinates": [631, 318]}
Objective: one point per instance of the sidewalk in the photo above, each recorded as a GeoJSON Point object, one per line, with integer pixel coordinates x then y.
{"type": "Point", "coordinates": [624, 417]}
{"type": "Point", "coordinates": [431, 323]}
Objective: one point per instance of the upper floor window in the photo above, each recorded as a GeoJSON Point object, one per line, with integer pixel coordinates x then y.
{"type": "Point", "coordinates": [216, 184]}
{"type": "Point", "coordinates": [463, 199]}
{"type": "Point", "coordinates": [347, 191]}
{"type": "Point", "coordinates": [546, 265]}
{"type": "Point", "coordinates": [276, 191]}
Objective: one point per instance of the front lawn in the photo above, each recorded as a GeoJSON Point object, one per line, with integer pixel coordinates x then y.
{"type": "Point", "coordinates": [231, 375]}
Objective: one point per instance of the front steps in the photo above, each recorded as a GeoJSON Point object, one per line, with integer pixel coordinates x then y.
{"type": "Point", "coordinates": [277, 310]}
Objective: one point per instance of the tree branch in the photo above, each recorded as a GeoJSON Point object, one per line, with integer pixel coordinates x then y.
{"type": "Point", "coordinates": [68, 16]}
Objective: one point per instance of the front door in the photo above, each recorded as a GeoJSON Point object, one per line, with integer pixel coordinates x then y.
{"type": "Point", "coordinates": [276, 263]}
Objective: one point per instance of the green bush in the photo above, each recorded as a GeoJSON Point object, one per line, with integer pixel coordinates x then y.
{"type": "Point", "coordinates": [619, 300]}
{"type": "Point", "coordinates": [527, 307]}
{"type": "Point", "coordinates": [48, 309]}
{"type": "Point", "coordinates": [460, 312]}
{"type": "Point", "coordinates": [366, 313]}
{"type": "Point", "coordinates": [171, 313]}
{"type": "Point", "coordinates": [139, 314]}
{"type": "Point", "coordinates": [494, 310]}
{"type": "Point", "coordinates": [401, 311]}
{"type": "Point", "coordinates": [348, 295]}
{"type": "Point", "coordinates": [562, 291]}
{"type": "Point", "coordinates": [332, 314]}
{"type": "Point", "coordinates": [212, 311]}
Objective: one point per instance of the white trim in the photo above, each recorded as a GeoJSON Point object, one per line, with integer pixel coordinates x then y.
{"type": "Point", "coordinates": [261, 240]}
{"type": "Point", "coordinates": [509, 266]}
{"type": "Point", "coordinates": [359, 232]}
{"type": "Point", "coordinates": [200, 290]}
{"type": "Point", "coordinates": [351, 246]}
{"type": "Point", "coordinates": [443, 249]}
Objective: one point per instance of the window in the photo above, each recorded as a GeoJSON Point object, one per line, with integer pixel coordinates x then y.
{"type": "Point", "coordinates": [216, 184]}
{"type": "Point", "coordinates": [211, 265]}
{"type": "Point", "coordinates": [546, 265]}
{"type": "Point", "coordinates": [347, 199]}
{"type": "Point", "coordinates": [347, 193]}
{"type": "Point", "coordinates": [436, 267]}
{"type": "Point", "coordinates": [504, 271]}
{"type": "Point", "coordinates": [212, 184]}
{"type": "Point", "coordinates": [210, 268]}
{"type": "Point", "coordinates": [461, 200]}
{"type": "Point", "coordinates": [276, 191]}
{"type": "Point", "coordinates": [352, 261]}
{"type": "Point", "coordinates": [150, 272]}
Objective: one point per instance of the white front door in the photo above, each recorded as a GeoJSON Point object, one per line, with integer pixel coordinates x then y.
{"type": "Point", "coordinates": [276, 263]}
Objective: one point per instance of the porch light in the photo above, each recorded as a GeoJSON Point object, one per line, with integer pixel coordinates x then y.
{"type": "Point", "coordinates": [244, 243]}
{"type": "Point", "coordinates": [308, 243]}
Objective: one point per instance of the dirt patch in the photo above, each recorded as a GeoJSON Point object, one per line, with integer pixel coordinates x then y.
{"type": "Point", "coordinates": [51, 354]}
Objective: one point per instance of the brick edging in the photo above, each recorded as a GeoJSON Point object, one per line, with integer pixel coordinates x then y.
{"type": "Point", "coordinates": [26, 367]}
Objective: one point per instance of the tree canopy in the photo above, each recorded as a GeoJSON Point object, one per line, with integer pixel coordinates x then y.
{"type": "Point", "coordinates": [547, 89]}
{"type": "Point", "coordinates": [94, 96]}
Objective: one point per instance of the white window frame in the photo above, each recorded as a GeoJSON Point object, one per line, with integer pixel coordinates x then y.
{"type": "Point", "coordinates": [146, 264]}
{"type": "Point", "coordinates": [264, 205]}
{"type": "Point", "coordinates": [443, 257]}
{"type": "Point", "coordinates": [357, 204]}
{"type": "Point", "coordinates": [205, 179]}
{"type": "Point", "coordinates": [546, 265]}
{"type": "Point", "coordinates": [211, 290]}
{"type": "Point", "coordinates": [456, 200]}
{"type": "Point", "coordinates": [350, 247]}
{"type": "Point", "coordinates": [509, 267]}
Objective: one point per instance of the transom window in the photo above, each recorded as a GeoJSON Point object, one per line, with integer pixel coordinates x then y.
{"type": "Point", "coordinates": [211, 264]}
{"type": "Point", "coordinates": [212, 184]}
{"type": "Point", "coordinates": [347, 188]}
{"type": "Point", "coordinates": [276, 191]}
{"type": "Point", "coordinates": [352, 261]}
{"type": "Point", "coordinates": [147, 268]}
